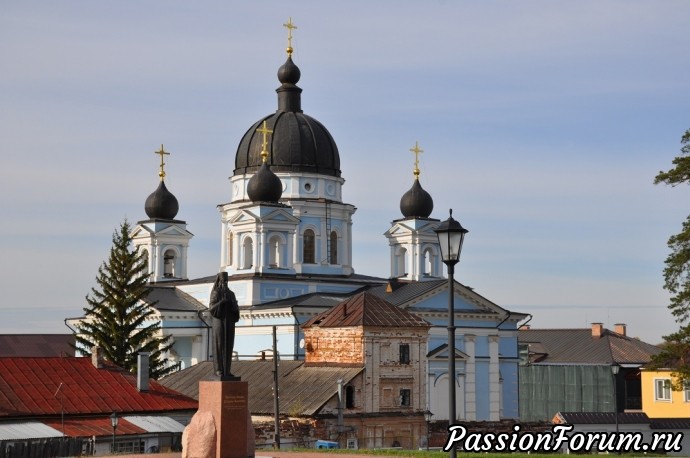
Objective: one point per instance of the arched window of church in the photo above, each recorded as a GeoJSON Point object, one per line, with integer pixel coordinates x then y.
{"type": "Point", "coordinates": [274, 249]}
{"type": "Point", "coordinates": [308, 251]}
{"type": "Point", "coordinates": [334, 247]}
{"type": "Point", "coordinates": [169, 263]}
{"type": "Point", "coordinates": [428, 263]}
{"type": "Point", "coordinates": [401, 262]}
{"type": "Point", "coordinates": [230, 241]}
{"type": "Point", "coordinates": [248, 253]}
{"type": "Point", "coordinates": [145, 256]}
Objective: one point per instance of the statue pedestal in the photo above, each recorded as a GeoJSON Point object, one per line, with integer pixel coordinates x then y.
{"type": "Point", "coordinates": [228, 402]}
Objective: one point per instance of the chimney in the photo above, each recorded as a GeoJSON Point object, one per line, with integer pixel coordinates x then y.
{"type": "Point", "coordinates": [97, 357]}
{"type": "Point", "coordinates": [620, 328]}
{"type": "Point", "coordinates": [597, 329]}
{"type": "Point", "coordinates": [143, 371]}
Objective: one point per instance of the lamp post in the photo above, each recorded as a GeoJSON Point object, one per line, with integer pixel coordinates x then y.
{"type": "Point", "coordinates": [113, 421]}
{"type": "Point", "coordinates": [615, 368]}
{"type": "Point", "coordinates": [450, 237]}
{"type": "Point", "coordinates": [427, 417]}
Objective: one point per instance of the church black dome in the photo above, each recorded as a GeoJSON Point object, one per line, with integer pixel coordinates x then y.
{"type": "Point", "coordinates": [416, 202]}
{"type": "Point", "coordinates": [264, 186]}
{"type": "Point", "coordinates": [299, 143]}
{"type": "Point", "coordinates": [161, 204]}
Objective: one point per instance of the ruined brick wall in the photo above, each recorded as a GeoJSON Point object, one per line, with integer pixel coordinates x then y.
{"type": "Point", "coordinates": [334, 345]}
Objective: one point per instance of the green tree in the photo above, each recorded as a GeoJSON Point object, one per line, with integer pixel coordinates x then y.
{"type": "Point", "coordinates": [118, 318]}
{"type": "Point", "coordinates": [676, 348]}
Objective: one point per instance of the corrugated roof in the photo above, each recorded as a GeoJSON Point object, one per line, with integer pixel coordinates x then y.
{"type": "Point", "coordinates": [24, 345]}
{"type": "Point", "coordinates": [669, 423]}
{"type": "Point", "coordinates": [173, 299]}
{"type": "Point", "coordinates": [27, 430]}
{"type": "Point", "coordinates": [303, 390]}
{"type": "Point", "coordinates": [28, 387]}
{"type": "Point", "coordinates": [573, 346]}
{"type": "Point", "coordinates": [155, 424]}
{"type": "Point", "coordinates": [366, 309]}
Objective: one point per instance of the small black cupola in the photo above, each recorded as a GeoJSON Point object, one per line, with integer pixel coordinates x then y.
{"type": "Point", "coordinates": [161, 204]}
{"type": "Point", "coordinates": [264, 185]}
{"type": "Point", "coordinates": [416, 202]}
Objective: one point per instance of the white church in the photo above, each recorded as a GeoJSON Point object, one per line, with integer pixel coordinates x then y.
{"type": "Point", "coordinates": [287, 247]}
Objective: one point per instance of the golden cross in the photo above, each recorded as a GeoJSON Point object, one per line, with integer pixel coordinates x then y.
{"type": "Point", "coordinates": [264, 143]}
{"type": "Point", "coordinates": [289, 25]}
{"type": "Point", "coordinates": [162, 153]}
{"type": "Point", "coordinates": [416, 150]}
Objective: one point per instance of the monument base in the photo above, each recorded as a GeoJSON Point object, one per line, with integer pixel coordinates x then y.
{"type": "Point", "coordinates": [228, 402]}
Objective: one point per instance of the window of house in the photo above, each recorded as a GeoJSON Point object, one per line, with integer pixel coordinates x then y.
{"type": "Point", "coordinates": [334, 247]}
{"type": "Point", "coordinates": [350, 397]}
{"type": "Point", "coordinates": [404, 354]}
{"type": "Point", "coordinates": [662, 389]}
{"type": "Point", "coordinates": [405, 397]}
{"type": "Point", "coordinates": [687, 393]}
{"type": "Point", "coordinates": [309, 240]}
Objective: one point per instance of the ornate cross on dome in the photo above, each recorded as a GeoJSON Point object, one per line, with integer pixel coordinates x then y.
{"type": "Point", "coordinates": [289, 25]}
{"type": "Point", "coordinates": [264, 143]}
{"type": "Point", "coordinates": [162, 153]}
{"type": "Point", "coordinates": [416, 150]}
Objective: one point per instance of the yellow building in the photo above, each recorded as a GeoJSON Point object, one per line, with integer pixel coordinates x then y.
{"type": "Point", "coordinates": [659, 400]}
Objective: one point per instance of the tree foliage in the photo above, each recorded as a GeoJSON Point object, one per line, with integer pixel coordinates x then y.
{"type": "Point", "coordinates": [118, 318]}
{"type": "Point", "coordinates": [676, 349]}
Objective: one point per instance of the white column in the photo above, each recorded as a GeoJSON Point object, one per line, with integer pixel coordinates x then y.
{"type": "Point", "coordinates": [263, 249]}
{"type": "Point", "coordinates": [470, 379]}
{"type": "Point", "coordinates": [224, 261]}
{"type": "Point", "coordinates": [494, 382]}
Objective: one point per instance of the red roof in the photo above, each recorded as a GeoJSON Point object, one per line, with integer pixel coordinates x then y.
{"type": "Point", "coordinates": [29, 387]}
{"type": "Point", "coordinates": [87, 427]}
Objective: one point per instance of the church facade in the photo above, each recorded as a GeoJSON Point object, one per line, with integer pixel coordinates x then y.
{"type": "Point", "coordinates": [287, 247]}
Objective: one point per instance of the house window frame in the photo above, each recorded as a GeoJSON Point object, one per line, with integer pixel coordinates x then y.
{"type": "Point", "coordinates": [309, 246]}
{"type": "Point", "coordinates": [686, 392]}
{"type": "Point", "coordinates": [405, 397]}
{"type": "Point", "coordinates": [662, 389]}
{"type": "Point", "coordinates": [404, 353]}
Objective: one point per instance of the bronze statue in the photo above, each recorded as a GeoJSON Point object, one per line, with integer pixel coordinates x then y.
{"type": "Point", "coordinates": [225, 312]}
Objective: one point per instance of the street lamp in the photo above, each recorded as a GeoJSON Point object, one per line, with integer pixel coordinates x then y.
{"type": "Point", "coordinates": [450, 237]}
{"type": "Point", "coordinates": [427, 417]}
{"type": "Point", "coordinates": [114, 421]}
{"type": "Point", "coordinates": [615, 368]}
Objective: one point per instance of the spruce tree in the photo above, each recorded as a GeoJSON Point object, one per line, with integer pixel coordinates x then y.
{"type": "Point", "coordinates": [676, 347]}
{"type": "Point", "coordinates": [118, 318]}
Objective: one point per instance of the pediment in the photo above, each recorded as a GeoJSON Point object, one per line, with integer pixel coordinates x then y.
{"type": "Point", "coordinates": [400, 228]}
{"type": "Point", "coordinates": [441, 353]}
{"type": "Point", "coordinates": [275, 215]}
{"type": "Point", "coordinates": [174, 231]}
{"type": "Point", "coordinates": [466, 300]}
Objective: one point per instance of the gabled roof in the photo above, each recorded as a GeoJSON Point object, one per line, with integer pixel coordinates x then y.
{"type": "Point", "coordinates": [28, 387]}
{"type": "Point", "coordinates": [579, 346]}
{"type": "Point", "coordinates": [303, 390]}
{"type": "Point", "coordinates": [23, 345]}
{"type": "Point", "coordinates": [172, 299]}
{"type": "Point", "coordinates": [366, 309]}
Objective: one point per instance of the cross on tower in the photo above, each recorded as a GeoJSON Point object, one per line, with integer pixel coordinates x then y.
{"type": "Point", "coordinates": [264, 143]}
{"type": "Point", "coordinates": [289, 25]}
{"type": "Point", "coordinates": [162, 153]}
{"type": "Point", "coordinates": [416, 150]}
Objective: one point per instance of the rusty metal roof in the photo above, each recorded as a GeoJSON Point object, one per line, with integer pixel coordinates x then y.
{"type": "Point", "coordinates": [28, 387]}
{"type": "Point", "coordinates": [366, 309]}
{"type": "Point", "coordinates": [303, 390]}
{"type": "Point", "coordinates": [22, 345]}
{"type": "Point", "coordinates": [578, 346]}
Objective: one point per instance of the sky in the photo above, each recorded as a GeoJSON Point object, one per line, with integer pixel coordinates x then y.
{"type": "Point", "coordinates": [543, 124]}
